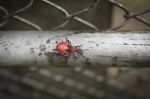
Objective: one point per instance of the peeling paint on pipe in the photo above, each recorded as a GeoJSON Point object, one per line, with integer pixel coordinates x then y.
{"type": "Point", "coordinates": [36, 48]}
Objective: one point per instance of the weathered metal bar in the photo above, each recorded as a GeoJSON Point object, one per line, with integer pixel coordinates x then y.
{"type": "Point", "coordinates": [36, 48]}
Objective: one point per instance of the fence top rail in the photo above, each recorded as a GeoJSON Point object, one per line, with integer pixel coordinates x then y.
{"type": "Point", "coordinates": [38, 48]}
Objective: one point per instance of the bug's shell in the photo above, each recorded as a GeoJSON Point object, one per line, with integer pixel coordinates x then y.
{"type": "Point", "coordinates": [62, 47]}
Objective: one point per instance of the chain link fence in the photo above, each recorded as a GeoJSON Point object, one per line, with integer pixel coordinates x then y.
{"type": "Point", "coordinates": [75, 83]}
{"type": "Point", "coordinates": [69, 83]}
{"type": "Point", "coordinates": [70, 14]}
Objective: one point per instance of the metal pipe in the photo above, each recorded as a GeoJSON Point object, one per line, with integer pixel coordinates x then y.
{"type": "Point", "coordinates": [36, 48]}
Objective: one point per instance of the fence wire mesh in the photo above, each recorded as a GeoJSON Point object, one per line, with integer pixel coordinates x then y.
{"type": "Point", "coordinates": [76, 83]}
{"type": "Point", "coordinates": [70, 83]}
{"type": "Point", "coordinates": [75, 16]}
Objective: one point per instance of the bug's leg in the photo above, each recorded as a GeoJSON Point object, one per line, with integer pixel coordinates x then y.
{"type": "Point", "coordinates": [79, 51]}
{"type": "Point", "coordinates": [68, 41]}
{"type": "Point", "coordinates": [67, 57]}
{"type": "Point", "coordinates": [74, 55]}
{"type": "Point", "coordinates": [77, 46]}
{"type": "Point", "coordinates": [68, 54]}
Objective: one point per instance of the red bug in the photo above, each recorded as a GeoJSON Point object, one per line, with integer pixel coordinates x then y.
{"type": "Point", "coordinates": [65, 48]}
